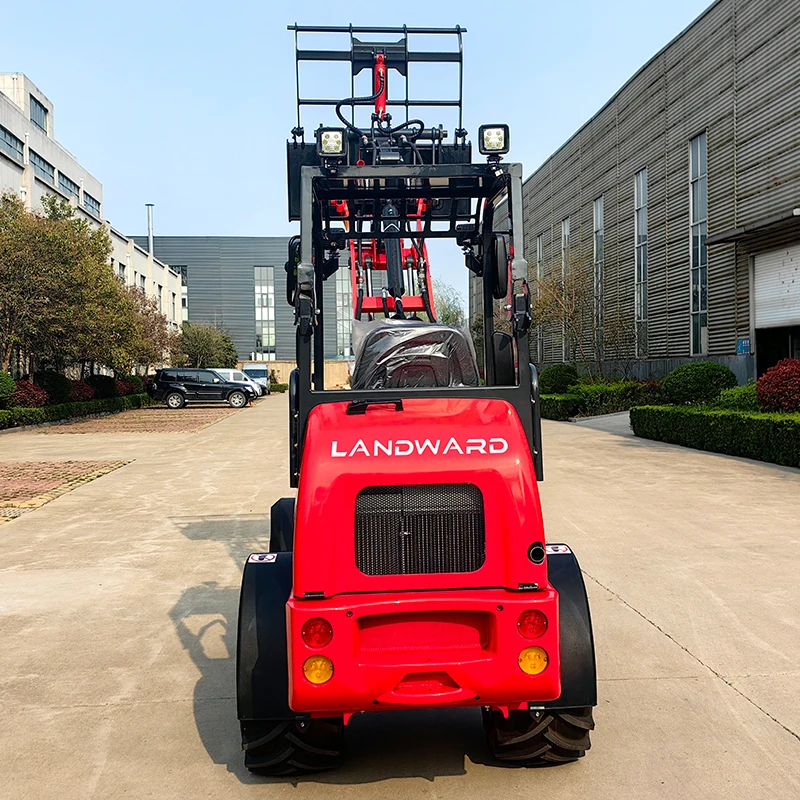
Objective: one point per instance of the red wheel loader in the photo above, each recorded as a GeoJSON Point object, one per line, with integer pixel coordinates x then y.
{"type": "Point", "coordinates": [412, 571]}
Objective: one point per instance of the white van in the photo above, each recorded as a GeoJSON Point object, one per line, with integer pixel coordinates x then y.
{"type": "Point", "coordinates": [237, 376]}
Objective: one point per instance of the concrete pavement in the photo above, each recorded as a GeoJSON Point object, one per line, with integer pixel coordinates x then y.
{"type": "Point", "coordinates": [118, 607]}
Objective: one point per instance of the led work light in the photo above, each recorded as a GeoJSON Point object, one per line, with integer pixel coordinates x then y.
{"type": "Point", "coordinates": [493, 140]}
{"type": "Point", "coordinates": [330, 142]}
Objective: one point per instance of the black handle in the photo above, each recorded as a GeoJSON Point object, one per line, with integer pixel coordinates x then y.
{"type": "Point", "coordinates": [361, 406]}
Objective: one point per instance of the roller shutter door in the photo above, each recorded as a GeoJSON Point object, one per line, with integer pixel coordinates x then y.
{"type": "Point", "coordinates": [777, 287]}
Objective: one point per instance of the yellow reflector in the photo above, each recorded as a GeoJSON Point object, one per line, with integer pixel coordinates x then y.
{"type": "Point", "coordinates": [319, 669]}
{"type": "Point", "coordinates": [532, 660]}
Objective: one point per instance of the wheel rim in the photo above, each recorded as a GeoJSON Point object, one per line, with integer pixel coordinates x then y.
{"type": "Point", "coordinates": [237, 400]}
{"type": "Point", "coordinates": [174, 401]}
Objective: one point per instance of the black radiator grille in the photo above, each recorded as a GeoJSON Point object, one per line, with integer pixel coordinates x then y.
{"type": "Point", "coordinates": [413, 530]}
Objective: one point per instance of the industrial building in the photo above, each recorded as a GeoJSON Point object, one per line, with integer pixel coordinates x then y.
{"type": "Point", "coordinates": [238, 283]}
{"type": "Point", "coordinates": [33, 164]}
{"type": "Point", "coordinates": [679, 204]}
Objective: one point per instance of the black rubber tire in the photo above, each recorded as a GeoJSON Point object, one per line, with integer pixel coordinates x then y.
{"type": "Point", "coordinates": [292, 747]}
{"type": "Point", "coordinates": [536, 739]}
{"type": "Point", "coordinates": [240, 403]}
{"type": "Point", "coordinates": [175, 406]}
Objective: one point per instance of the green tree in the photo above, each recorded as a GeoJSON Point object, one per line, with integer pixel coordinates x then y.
{"type": "Point", "coordinates": [205, 346]}
{"type": "Point", "coordinates": [449, 305]}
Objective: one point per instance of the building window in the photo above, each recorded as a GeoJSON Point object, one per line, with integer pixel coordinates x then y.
{"type": "Point", "coordinates": [173, 306]}
{"type": "Point", "coordinates": [640, 233]}
{"type": "Point", "coordinates": [181, 269]}
{"type": "Point", "coordinates": [38, 114]}
{"type": "Point", "coordinates": [68, 186]}
{"type": "Point", "coordinates": [564, 274]}
{"type": "Point", "coordinates": [11, 145]}
{"type": "Point", "coordinates": [91, 205]}
{"type": "Point", "coordinates": [142, 284]}
{"type": "Point", "coordinates": [121, 271]}
{"type": "Point", "coordinates": [598, 257]}
{"type": "Point", "coordinates": [539, 280]}
{"type": "Point", "coordinates": [43, 169]}
{"type": "Point", "coordinates": [344, 314]}
{"type": "Point", "coordinates": [265, 314]}
{"type": "Point", "coordinates": [698, 204]}
{"type": "Point", "coordinates": [159, 292]}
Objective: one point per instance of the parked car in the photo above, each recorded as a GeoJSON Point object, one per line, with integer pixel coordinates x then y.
{"type": "Point", "coordinates": [237, 376]}
{"type": "Point", "coordinates": [180, 385]}
{"type": "Point", "coordinates": [259, 374]}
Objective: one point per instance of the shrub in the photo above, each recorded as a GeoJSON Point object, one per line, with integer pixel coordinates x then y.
{"type": "Point", "coordinates": [104, 386]}
{"type": "Point", "coordinates": [28, 395]}
{"type": "Point", "coordinates": [698, 382]}
{"type": "Point", "coordinates": [559, 406]}
{"type": "Point", "coordinates": [606, 398]}
{"type": "Point", "coordinates": [57, 386]}
{"type": "Point", "coordinates": [138, 384]}
{"type": "Point", "coordinates": [750, 434]}
{"type": "Point", "coordinates": [16, 417]}
{"type": "Point", "coordinates": [778, 389]}
{"type": "Point", "coordinates": [278, 387]}
{"type": "Point", "coordinates": [7, 388]}
{"type": "Point", "coordinates": [81, 391]}
{"type": "Point", "coordinates": [742, 398]}
{"type": "Point", "coordinates": [557, 379]}
{"type": "Point", "coordinates": [125, 388]}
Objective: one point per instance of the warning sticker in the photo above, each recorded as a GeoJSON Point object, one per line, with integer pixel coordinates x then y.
{"type": "Point", "coordinates": [557, 549]}
{"type": "Point", "coordinates": [263, 558]}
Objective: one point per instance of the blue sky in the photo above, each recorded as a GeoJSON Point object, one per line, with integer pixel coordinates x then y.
{"type": "Point", "coordinates": [188, 104]}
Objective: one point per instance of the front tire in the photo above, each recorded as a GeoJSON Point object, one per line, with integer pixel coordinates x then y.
{"type": "Point", "coordinates": [292, 747]}
{"type": "Point", "coordinates": [539, 738]}
{"type": "Point", "coordinates": [237, 399]}
{"type": "Point", "coordinates": [175, 400]}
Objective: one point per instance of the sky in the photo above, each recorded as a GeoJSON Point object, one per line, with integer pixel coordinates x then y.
{"type": "Point", "coordinates": [188, 104]}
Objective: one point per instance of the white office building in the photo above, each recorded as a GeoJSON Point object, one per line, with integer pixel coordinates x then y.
{"type": "Point", "coordinates": [33, 164]}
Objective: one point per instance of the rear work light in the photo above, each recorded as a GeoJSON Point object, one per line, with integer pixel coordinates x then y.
{"type": "Point", "coordinates": [317, 632]}
{"type": "Point", "coordinates": [319, 669]}
{"type": "Point", "coordinates": [493, 140]}
{"type": "Point", "coordinates": [532, 660]}
{"type": "Point", "coordinates": [532, 624]}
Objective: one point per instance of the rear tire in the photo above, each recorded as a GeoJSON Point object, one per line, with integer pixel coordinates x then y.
{"type": "Point", "coordinates": [175, 400]}
{"type": "Point", "coordinates": [537, 739]}
{"type": "Point", "coordinates": [237, 399]}
{"type": "Point", "coordinates": [292, 747]}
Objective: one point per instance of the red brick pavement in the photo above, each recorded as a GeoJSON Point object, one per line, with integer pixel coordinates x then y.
{"type": "Point", "coordinates": [156, 419]}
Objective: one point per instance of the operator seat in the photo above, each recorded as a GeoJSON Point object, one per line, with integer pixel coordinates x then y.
{"type": "Point", "coordinates": [412, 353]}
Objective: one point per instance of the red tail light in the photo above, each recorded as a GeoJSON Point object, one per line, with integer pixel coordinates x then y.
{"type": "Point", "coordinates": [532, 624]}
{"type": "Point", "coordinates": [317, 632]}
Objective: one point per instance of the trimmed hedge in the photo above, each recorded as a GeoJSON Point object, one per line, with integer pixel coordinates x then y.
{"type": "Point", "coordinates": [57, 386]}
{"type": "Point", "coordinates": [559, 406]}
{"type": "Point", "coordinates": [742, 398]}
{"type": "Point", "coordinates": [28, 395]}
{"type": "Point", "coordinates": [698, 382]}
{"type": "Point", "coordinates": [104, 386]}
{"type": "Point", "coordinates": [750, 434]}
{"type": "Point", "coordinates": [779, 386]}
{"type": "Point", "coordinates": [557, 379]}
{"type": "Point", "coordinates": [279, 387]}
{"type": "Point", "coordinates": [607, 398]}
{"type": "Point", "coordinates": [16, 417]}
{"type": "Point", "coordinates": [7, 388]}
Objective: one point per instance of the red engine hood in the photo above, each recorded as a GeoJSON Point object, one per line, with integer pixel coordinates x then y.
{"type": "Point", "coordinates": [435, 441]}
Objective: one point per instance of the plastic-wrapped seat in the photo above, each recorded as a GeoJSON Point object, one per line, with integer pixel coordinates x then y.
{"type": "Point", "coordinates": [410, 353]}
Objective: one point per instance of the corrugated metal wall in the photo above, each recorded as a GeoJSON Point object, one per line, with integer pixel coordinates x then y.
{"type": "Point", "coordinates": [221, 286]}
{"type": "Point", "coordinates": [735, 74]}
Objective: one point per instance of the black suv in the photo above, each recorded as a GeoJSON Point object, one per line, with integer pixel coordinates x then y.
{"type": "Point", "coordinates": [180, 385]}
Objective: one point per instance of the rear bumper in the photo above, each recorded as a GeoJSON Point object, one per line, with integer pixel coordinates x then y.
{"type": "Point", "coordinates": [423, 649]}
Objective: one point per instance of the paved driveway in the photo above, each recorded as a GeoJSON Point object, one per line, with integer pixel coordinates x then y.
{"type": "Point", "coordinates": [118, 610]}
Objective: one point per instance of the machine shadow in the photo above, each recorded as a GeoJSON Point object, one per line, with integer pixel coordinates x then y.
{"type": "Point", "coordinates": [379, 746]}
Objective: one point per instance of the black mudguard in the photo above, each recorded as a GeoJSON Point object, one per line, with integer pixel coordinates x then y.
{"type": "Point", "coordinates": [262, 671]}
{"type": "Point", "coordinates": [578, 671]}
{"type": "Point", "coordinates": [281, 526]}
